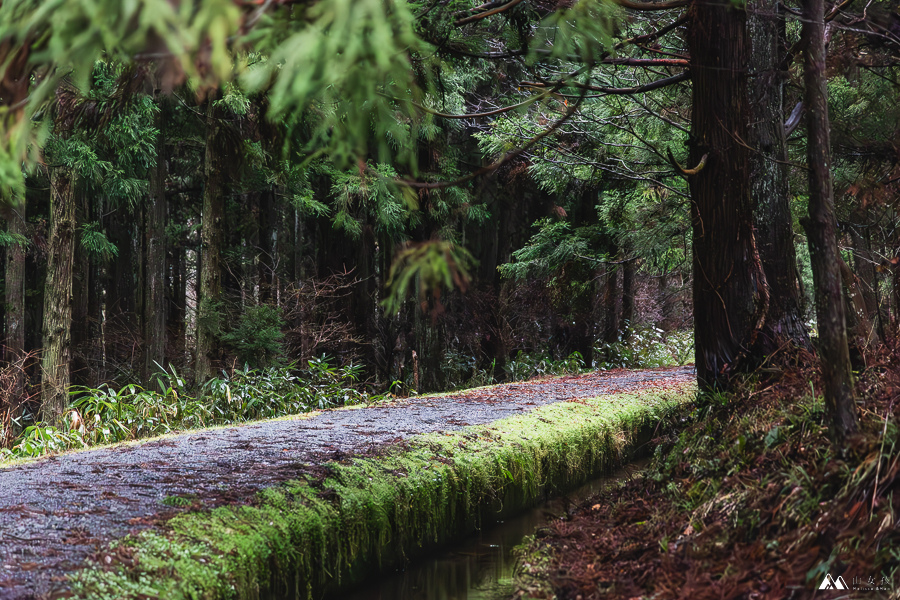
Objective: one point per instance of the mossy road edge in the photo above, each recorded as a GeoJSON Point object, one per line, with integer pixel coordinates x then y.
{"type": "Point", "coordinates": [296, 538]}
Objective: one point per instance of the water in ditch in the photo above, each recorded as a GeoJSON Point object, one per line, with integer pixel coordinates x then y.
{"type": "Point", "coordinates": [481, 567]}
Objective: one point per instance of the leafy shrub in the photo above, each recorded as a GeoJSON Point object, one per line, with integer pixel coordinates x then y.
{"type": "Point", "coordinates": [525, 366]}
{"type": "Point", "coordinates": [105, 415]}
{"type": "Point", "coordinates": [108, 415]}
{"type": "Point", "coordinates": [41, 439]}
{"type": "Point", "coordinates": [250, 394]}
{"type": "Point", "coordinates": [462, 371]}
{"type": "Point", "coordinates": [257, 335]}
{"type": "Point", "coordinates": [646, 347]}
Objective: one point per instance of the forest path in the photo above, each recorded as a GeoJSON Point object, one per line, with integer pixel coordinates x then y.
{"type": "Point", "coordinates": [57, 511]}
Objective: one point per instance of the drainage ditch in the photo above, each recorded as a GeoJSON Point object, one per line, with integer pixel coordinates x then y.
{"type": "Point", "coordinates": [482, 566]}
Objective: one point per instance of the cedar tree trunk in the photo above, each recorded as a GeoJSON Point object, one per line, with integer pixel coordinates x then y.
{"type": "Point", "coordinates": [783, 326]}
{"type": "Point", "coordinates": [154, 304]}
{"type": "Point", "coordinates": [15, 298]}
{"type": "Point", "coordinates": [58, 297]}
{"type": "Point", "coordinates": [211, 235]}
{"type": "Point", "coordinates": [730, 293]}
{"type": "Point", "coordinates": [840, 402]}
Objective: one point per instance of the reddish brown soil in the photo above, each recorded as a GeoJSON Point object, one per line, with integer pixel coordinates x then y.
{"type": "Point", "coordinates": [644, 539]}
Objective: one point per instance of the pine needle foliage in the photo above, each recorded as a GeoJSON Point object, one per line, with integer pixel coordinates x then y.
{"type": "Point", "coordinates": [13, 239]}
{"type": "Point", "coordinates": [427, 267]}
{"type": "Point", "coordinates": [553, 246]}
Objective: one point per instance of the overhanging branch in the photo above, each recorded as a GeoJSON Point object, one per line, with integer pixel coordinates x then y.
{"type": "Point", "coordinates": [489, 113]}
{"type": "Point", "coordinates": [649, 37]}
{"type": "Point", "coordinates": [488, 13]}
{"type": "Point", "coordinates": [638, 89]}
{"type": "Point", "coordinates": [571, 110]}
{"type": "Point", "coordinates": [648, 6]}
{"type": "Point", "coordinates": [682, 170]}
{"type": "Point", "coordinates": [646, 62]}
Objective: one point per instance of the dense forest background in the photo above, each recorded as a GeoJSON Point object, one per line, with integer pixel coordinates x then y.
{"type": "Point", "coordinates": [525, 187]}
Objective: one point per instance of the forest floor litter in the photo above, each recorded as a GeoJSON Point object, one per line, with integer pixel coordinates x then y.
{"type": "Point", "coordinates": [57, 511]}
{"type": "Point", "coordinates": [751, 501]}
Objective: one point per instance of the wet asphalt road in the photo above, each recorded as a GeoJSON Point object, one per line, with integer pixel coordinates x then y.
{"type": "Point", "coordinates": [57, 511]}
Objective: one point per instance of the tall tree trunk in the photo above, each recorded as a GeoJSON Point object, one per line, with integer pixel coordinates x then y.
{"type": "Point", "coordinates": [180, 270]}
{"type": "Point", "coordinates": [783, 326]}
{"type": "Point", "coordinates": [211, 236]}
{"type": "Point", "coordinates": [175, 296]}
{"type": "Point", "coordinates": [154, 320]}
{"type": "Point", "coordinates": [80, 369]}
{"type": "Point", "coordinates": [15, 298]}
{"type": "Point", "coordinates": [296, 256]}
{"type": "Point", "coordinates": [840, 401]}
{"type": "Point", "coordinates": [864, 262]}
{"type": "Point", "coordinates": [610, 293]}
{"type": "Point", "coordinates": [120, 288]}
{"type": "Point", "coordinates": [58, 297]}
{"type": "Point", "coordinates": [666, 300]}
{"type": "Point", "coordinates": [268, 231]}
{"type": "Point", "coordinates": [252, 264]}
{"type": "Point", "coordinates": [628, 268]}
{"type": "Point", "coordinates": [895, 285]}
{"type": "Point", "coordinates": [859, 325]}
{"type": "Point", "coordinates": [729, 286]}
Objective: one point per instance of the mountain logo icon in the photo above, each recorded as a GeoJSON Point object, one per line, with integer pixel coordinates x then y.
{"type": "Point", "coordinates": [830, 583]}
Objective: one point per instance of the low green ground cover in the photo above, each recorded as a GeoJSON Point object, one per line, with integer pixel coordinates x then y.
{"type": "Point", "coordinates": [340, 520]}
{"type": "Point", "coordinates": [106, 415]}
{"type": "Point", "coordinates": [751, 500]}
{"type": "Point", "coordinates": [111, 413]}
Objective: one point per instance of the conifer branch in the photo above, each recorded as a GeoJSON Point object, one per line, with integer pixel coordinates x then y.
{"type": "Point", "coordinates": [488, 13]}
{"type": "Point", "coordinates": [649, 6]}
{"type": "Point", "coordinates": [682, 170]}
{"type": "Point", "coordinates": [649, 37]}
{"type": "Point", "coordinates": [489, 113]}
{"type": "Point", "coordinates": [638, 89]}
{"type": "Point", "coordinates": [571, 110]}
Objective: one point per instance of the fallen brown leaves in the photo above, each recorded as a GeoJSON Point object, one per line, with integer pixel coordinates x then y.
{"type": "Point", "coordinates": [738, 516]}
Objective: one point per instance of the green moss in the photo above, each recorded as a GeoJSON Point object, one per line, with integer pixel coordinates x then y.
{"type": "Point", "coordinates": [182, 500]}
{"type": "Point", "coordinates": [304, 535]}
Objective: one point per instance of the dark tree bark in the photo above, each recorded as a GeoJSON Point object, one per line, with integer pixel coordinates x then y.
{"type": "Point", "coordinates": [666, 300]}
{"type": "Point", "coordinates": [895, 284]}
{"type": "Point", "coordinates": [58, 297]}
{"type": "Point", "coordinates": [783, 326]}
{"type": "Point", "coordinates": [81, 294]}
{"type": "Point", "coordinates": [864, 262]}
{"type": "Point", "coordinates": [268, 232]}
{"type": "Point", "coordinates": [15, 298]}
{"type": "Point", "coordinates": [730, 294]}
{"type": "Point", "coordinates": [121, 284]}
{"type": "Point", "coordinates": [497, 242]}
{"type": "Point", "coordinates": [211, 236]}
{"type": "Point", "coordinates": [610, 295]}
{"type": "Point", "coordinates": [176, 281]}
{"type": "Point", "coordinates": [859, 325]}
{"type": "Point", "coordinates": [296, 256]}
{"type": "Point", "coordinates": [154, 320]}
{"type": "Point", "coordinates": [628, 268]}
{"type": "Point", "coordinates": [252, 265]}
{"type": "Point", "coordinates": [840, 401]}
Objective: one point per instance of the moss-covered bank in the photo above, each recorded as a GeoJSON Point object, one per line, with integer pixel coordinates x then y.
{"type": "Point", "coordinates": [362, 514]}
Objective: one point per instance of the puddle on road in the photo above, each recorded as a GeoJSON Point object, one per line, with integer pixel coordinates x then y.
{"type": "Point", "coordinates": [481, 567]}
